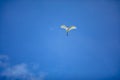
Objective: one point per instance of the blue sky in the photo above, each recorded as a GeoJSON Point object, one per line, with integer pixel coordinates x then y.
{"type": "Point", "coordinates": [31, 39]}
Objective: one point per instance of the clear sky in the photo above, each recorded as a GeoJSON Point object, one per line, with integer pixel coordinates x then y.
{"type": "Point", "coordinates": [33, 44]}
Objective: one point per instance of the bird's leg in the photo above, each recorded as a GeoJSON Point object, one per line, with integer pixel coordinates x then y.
{"type": "Point", "coordinates": [67, 33]}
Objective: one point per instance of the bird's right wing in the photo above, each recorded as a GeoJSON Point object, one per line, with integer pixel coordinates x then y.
{"type": "Point", "coordinates": [64, 27]}
{"type": "Point", "coordinates": [72, 27]}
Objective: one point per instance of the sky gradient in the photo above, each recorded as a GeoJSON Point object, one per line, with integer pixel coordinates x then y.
{"type": "Point", "coordinates": [33, 44]}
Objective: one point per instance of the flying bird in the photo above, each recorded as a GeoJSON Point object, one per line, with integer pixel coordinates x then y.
{"type": "Point", "coordinates": [68, 28]}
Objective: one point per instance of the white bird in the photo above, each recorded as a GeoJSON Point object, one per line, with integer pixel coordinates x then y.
{"type": "Point", "coordinates": [68, 28]}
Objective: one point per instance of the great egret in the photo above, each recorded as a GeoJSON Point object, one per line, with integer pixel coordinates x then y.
{"type": "Point", "coordinates": [68, 28]}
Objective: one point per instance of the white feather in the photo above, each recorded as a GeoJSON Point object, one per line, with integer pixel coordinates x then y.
{"type": "Point", "coordinates": [72, 27]}
{"type": "Point", "coordinates": [64, 27]}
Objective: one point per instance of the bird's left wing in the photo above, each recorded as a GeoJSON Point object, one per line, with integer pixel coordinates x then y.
{"type": "Point", "coordinates": [64, 27]}
{"type": "Point", "coordinates": [72, 27]}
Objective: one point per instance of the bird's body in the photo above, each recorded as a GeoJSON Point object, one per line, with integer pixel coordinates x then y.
{"type": "Point", "coordinates": [68, 28]}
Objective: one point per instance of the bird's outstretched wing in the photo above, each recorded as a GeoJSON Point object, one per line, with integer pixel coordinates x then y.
{"type": "Point", "coordinates": [72, 27]}
{"type": "Point", "coordinates": [64, 27]}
